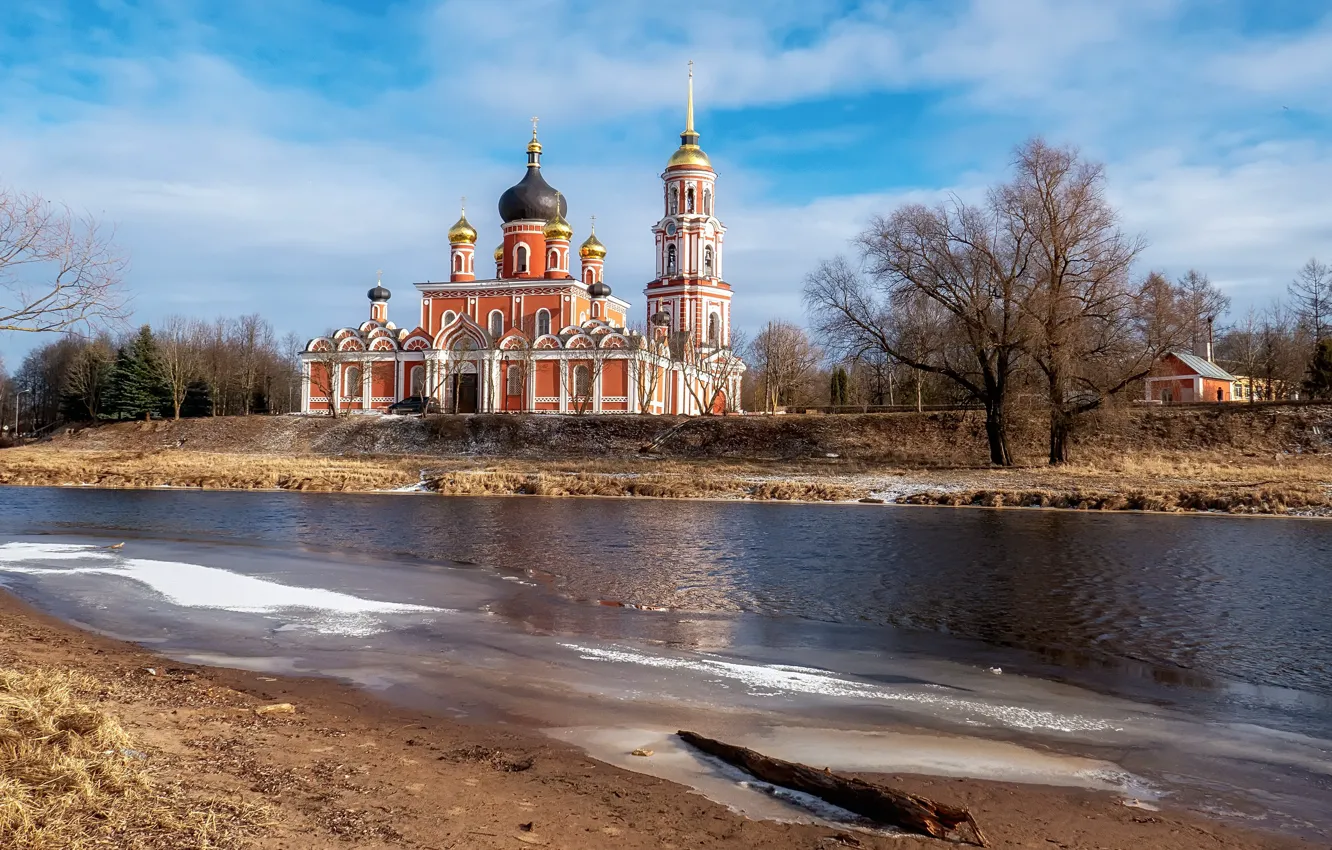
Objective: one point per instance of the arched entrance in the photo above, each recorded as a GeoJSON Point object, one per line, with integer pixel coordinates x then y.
{"type": "Point", "coordinates": [719, 404]}
{"type": "Point", "coordinates": [463, 388]}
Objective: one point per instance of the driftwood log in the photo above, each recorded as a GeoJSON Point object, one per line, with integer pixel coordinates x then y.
{"type": "Point", "coordinates": [898, 809]}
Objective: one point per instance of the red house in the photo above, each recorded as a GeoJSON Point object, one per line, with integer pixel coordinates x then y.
{"type": "Point", "coordinates": [1181, 376]}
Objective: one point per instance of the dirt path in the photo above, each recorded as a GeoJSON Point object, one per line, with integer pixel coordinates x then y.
{"type": "Point", "coordinates": [345, 770]}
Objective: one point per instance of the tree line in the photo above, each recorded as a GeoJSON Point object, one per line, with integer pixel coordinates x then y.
{"type": "Point", "coordinates": [1032, 294]}
{"type": "Point", "coordinates": [182, 368]}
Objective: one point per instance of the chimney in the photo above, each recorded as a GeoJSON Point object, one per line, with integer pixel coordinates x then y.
{"type": "Point", "coordinates": [1209, 338]}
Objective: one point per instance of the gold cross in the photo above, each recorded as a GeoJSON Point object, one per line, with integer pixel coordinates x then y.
{"type": "Point", "coordinates": [464, 203]}
{"type": "Point", "coordinates": [594, 223]}
{"type": "Point", "coordinates": [691, 67]}
{"type": "Point", "coordinates": [534, 125]}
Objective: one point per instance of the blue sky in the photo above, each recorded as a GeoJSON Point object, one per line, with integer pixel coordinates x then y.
{"type": "Point", "coordinates": [268, 155]}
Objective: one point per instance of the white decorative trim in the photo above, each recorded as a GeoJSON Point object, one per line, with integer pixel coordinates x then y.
{"type": "Point", "coordinates": [616, 398]}
{"type": "Point", "coordinates": [547, 399]}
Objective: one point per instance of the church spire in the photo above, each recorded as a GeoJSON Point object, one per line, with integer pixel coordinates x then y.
{"type": "Point", "coordinates": [689, 136]}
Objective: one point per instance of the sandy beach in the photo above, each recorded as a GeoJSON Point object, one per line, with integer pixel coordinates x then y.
{"type": "Point", "coordinates": [345, 769]}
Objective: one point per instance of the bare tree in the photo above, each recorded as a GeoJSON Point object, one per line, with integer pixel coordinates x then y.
{"type": "Point", "coordinates": [1200, 304]}
{"type": "Point", "coordinates": [784, 355]}
{"type": "Point", "coordinates": [326, 363]}
{"type": "Point", "coordinates": [180, 351]}
{"type": "Point", "coordinates": [251, 339]}
{"type": "Point", "coordinates": [648, 363]}
{"type": "Point", "coordinates": [1083, 308]}
{"type": "Point", "coordinates": [86, 379]}
{"type": "Point", "coordinates": [581, 373]}
{"type": "Point", "coordinates": [709, 369]}
{"type": "Point", "coordinates": [58, 271]}
{"type": "Point", "coordinates": [1311, 297]}
{"type": "Point", "coordinates": [940, 296]}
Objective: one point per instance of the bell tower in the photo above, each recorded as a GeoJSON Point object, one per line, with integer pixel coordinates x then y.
{"type": "Point", "coordinates": [689, 287]}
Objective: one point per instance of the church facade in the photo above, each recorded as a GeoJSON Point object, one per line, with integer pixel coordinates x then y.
{"type": "Point", "coordinates": [541, 335]}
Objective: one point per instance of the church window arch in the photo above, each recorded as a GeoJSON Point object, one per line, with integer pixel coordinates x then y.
{"type": "Point", "coordinates": [351, 381]}
{"type": "Point", "coordinates": [707, 260]}
{"type": "Point", "coordinates": [515, 379]}
{"type": "Point", "coordinates": [674, 206]}
{"type": "Point", "coordinates": [416, 381]}
{"type": "Point", "coordinates": [689, 199]}
{"type": "Point", "coordinates": [520, 259]}
{"type": "Point", "coordinates": [496, 323]}
{"type": "Point", "coordinates": [670, 259]}
{"type": "Point", "coordinates": [458, 262]}
{"type": "Point", "coordinates": [542, 322]}
{"type": "Point", "coordinates": [553, 260]}
{"type": "Point", "coordinates": [714, 330]}
{"type": "Point", "coordinates": [449, 316]}
{"type": "Point", "coordinates": [582, 381]}
{"type": "Point", "coordinates": [587, 276]}
{"type": "Point", "coordinates": [707, 201]}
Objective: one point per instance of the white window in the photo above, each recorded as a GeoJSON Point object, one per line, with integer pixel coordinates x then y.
{"type": "Point", "coordinates": [707, 260]}
{"type": "Point", "coordinates": [674, 206]}
{"type": "Point", "coordinates": [689, 199]}
{"type": "Point", "coordinates": [351, 381]}
{"type": "Point", "coordinates": [417, 381]}
{"type": "Point", "coordinates": [553, 261]}
{"type": "Point", "coordinates": [707, 202]}
{"type": "Point", "coordinates": [582, 381]}
{"type": "Point", "coordinates": [587, 276]}
{"type": "Point", "coordinates": [670, 259]}
{"type": "Point", "coordinates": [515, 378]}
{"type": "Point", "coordinates": [520, 259]}
{"type": "Point", "coordinates": [543, 322]}
{"type": "Point", "coordinates": [449, 316]}
{"type": "Point", "coordinates": [714, 330]}
{"type": "Point", "coordinates": [496, 322]}
{"type": "Point", "coordinates": [458, 261]}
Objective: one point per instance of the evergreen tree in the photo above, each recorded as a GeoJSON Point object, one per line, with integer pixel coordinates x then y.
{"type": "Point", "coordinates": [198, 400]}
{"type": "Point", "coordinates": [1319, 382]}
{"type": "Point", "coordinates": [841, 386]}
{"type": "Point", "coordinates": [137, 387]}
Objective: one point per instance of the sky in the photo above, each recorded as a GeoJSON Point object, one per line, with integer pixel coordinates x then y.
{"type": "Point", "coordinates": [272, 155]}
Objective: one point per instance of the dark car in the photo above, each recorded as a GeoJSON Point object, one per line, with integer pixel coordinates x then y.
{"type": "Point", "coordinates": [414, 404]}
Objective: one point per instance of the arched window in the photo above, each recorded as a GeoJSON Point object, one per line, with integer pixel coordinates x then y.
{"type": "Point", "coordinates": [449, 316]}
{"type": "Point", "coordinates": [543, 322]}
{"type": "Point", "coordinates": [582, 381]}
{"type": "Point", "coordinates": [553, 260]}
{"type": "Point", "coordinates": [458, 262]}
{"type": "Point", "coordinates": [689, 199]}
{"type": "Point", "coordinates": [670, 259]}
{"type": "Point", "coordinates": [515, 376]}
{"type": "Point", "coordinates": [520, 259]}
{"type": "Point", "coordinates": [674, 206]}
{"type": "Point", "coordinates": [351, 381]}
{"type": "Point", "coordinates": [707, 260]}
{"type": "Point", "coordinates": [596, 314]}
{"type": "Point", "coordinates": [417, 381]}
{"type": "Point", "coordinates": [707, 202]}
{"type": "Point", "coordinates": [587, 276]}
{"type": "Point", "coordinates": [496, 323]}
{"type": "Point", "coordinates": [714, 330]}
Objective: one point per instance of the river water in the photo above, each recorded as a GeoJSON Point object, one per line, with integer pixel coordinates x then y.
{"type": "Point", "coordinates": [1188, 657]}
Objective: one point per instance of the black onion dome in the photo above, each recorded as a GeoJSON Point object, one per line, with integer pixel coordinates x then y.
{"type": "Point", "coordinates": [661, 317]}
{"type": "Point", "coordinates": [531, 198]}
{"type": "Point", "coordinates": [379, 293]}
{"type": "Point", "coordinates": [599, 290]}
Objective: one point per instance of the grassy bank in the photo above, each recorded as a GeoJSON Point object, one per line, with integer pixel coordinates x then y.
{"type": "Point", "coordinates": [1158, 482]}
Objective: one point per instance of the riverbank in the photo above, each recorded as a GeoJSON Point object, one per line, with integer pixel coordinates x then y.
{"type": "Point", "coordinates": [343, 768]}
{"type": "Point", "coordinates": [1133, 481]}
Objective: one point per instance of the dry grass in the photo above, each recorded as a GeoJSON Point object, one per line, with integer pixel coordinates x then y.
{"type": "Point", "coordinates": [71, 778]}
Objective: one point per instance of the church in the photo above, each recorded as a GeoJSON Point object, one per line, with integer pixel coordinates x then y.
{"type": "Point", "coordinates": [541, 336]}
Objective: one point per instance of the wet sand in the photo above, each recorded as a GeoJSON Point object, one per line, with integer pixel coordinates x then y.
{"type": "Point", "coordinates": [347, 769]}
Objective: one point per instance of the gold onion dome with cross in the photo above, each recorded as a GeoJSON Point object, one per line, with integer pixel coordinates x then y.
{"type": "Point", "coordinates": [462, 231]}
{"type": "Point", "coordinates": [557, 227]}
{"type": "Point", "coordinates": [592, 249]}
{"type": "Point", "coordinates": [689, 154]}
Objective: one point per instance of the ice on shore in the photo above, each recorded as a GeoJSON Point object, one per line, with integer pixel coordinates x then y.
{"type": "Point", "coordinates": [197, 586]}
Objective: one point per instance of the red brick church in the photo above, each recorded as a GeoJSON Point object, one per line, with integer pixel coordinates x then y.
{"type": "Point", "coordinates": [540, 336]}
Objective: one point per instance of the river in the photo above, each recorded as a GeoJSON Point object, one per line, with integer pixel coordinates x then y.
{"type": "Point", "coordinates": [1181, 656]}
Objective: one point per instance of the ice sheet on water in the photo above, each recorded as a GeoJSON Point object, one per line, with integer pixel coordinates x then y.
{"type": "Point", "coordinates": [778, 679]}
{"type": "Point", "coordinates": [197, 586]}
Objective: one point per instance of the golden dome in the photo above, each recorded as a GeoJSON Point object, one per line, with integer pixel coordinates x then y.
{"type": "Point", "coordinates": [499, 253]}
{"type": "Point", "coordinates": [462, 232]}
{"type": "Point", "coordinates": [557, 228]}
{"type": "Point", "coordinates": [689, 156]}
{"type": "Point", "coordinates": [592, 249]}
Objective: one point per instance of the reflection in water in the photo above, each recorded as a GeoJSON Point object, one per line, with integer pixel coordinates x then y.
{"type": "Point", "coordinates": [1235, 606]}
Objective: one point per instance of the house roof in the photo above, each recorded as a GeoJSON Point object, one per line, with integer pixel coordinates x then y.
{"type": "Point", "coordinates": [1203, 367]}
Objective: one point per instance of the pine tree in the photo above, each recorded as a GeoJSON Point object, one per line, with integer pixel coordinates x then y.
{"type": "Point", "coordinates": [137, 387]}
{"type": "Point", "coordinates": [1319, 382]}
{"type": "Point", "coordinates": [841, 384]}
{"type": "Point", "coordinates": [198, 400]}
